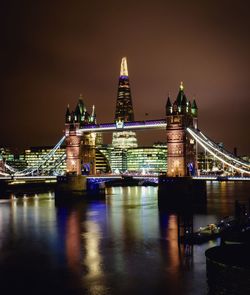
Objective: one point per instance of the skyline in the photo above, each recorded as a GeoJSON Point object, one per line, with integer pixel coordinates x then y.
{"type": "Point", "coordinates": [50, 57]}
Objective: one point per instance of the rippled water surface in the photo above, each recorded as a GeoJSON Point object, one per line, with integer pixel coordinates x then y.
{"type": "Point", "coordinates": [121, 245]}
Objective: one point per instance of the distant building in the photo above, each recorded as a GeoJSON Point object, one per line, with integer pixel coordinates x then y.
{"type": "Point", "coordinates": [101, 162]}
{"type": "Point", "coordinates": [140, 159]}
{"type": "Point", "coordinates": [124, 111]}
{"type": "Point", "coordinates": [17, 162]}
{"type": "Point", "coordinates": [147, 160]}
{"type": "Point", "coordinates": [118, 160]}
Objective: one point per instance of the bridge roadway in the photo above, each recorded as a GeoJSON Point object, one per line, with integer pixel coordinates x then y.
{"type": "Point", "coordinates": [25, 179]}
{"type": "Point", "coordinates": [53, 179]}
{"type": "Point", "coordinates": [153, 177]}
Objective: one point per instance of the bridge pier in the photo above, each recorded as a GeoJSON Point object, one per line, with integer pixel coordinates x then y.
{"type": "Point", "coordinates": [182, 193]}
{"type": "Point", "coordinates": [75, 187]}
{"type": "Point", "coordinates": [72, 183]}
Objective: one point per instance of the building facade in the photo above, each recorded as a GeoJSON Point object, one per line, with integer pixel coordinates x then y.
{"type": "Point", "coordinates": [13, 160]}
{"type": "Point", "coordinates": [147, 160]}
{"type": "Point", "coordinates": [142, 160]}
{"type": "Point", "coordinates": [35, 156]}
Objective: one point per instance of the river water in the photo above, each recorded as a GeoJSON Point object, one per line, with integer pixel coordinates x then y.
{"type": "Point", "coordinates": [121, 245]}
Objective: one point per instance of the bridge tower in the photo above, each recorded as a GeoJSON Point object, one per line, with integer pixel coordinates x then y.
{"type": "Point", "coordinates": [73, 150]}
{"type": "Point", "coordinates": [181, 157]}
{"type": "Point", "coordinates": [80, 147]}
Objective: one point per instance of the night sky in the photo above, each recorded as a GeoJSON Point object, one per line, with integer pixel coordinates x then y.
{"type": "Point", "coordinates": [51, 51]}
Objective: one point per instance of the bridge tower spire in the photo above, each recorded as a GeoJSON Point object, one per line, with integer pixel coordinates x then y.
{"type": "Point", "coordinates": [80, 147]}
{"type": "Point", "coordinates": [181, 147]}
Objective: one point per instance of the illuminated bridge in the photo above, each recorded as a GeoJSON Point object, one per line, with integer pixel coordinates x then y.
{"type": "Point", "coordinates": [182, 133]}
{"type": "Point", "coordinates": [225, 157]}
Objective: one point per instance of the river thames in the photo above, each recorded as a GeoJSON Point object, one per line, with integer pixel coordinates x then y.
{"type": "Point", "coordinates": [121, 245]}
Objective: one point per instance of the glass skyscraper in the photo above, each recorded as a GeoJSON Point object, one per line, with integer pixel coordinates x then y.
{"type": "Point", "coordinates": [124, 111]}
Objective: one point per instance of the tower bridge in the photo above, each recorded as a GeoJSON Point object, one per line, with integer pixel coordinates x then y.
{"type": "Point", "coordinates": [81, 130]}
{"type": "Point", "coordinates": [182, 134]}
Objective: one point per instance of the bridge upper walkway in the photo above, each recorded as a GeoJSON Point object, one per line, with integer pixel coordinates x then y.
{"type": "Point", "coordinates": [123, 126]}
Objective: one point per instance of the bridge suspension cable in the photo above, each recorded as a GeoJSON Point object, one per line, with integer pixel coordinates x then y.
{"type": "Point", "coordinates": [219, 153]}
{"type": "Point", "coordinates": [11, 169]}
{"type": "Point", "coordinates": [42, 161]}
{"type": "Point", "coordinates": [4, 174]}
{"type": "Point", "coordinates": [224, 152]}
{"type": "Point", "coordinates": [56, 165]}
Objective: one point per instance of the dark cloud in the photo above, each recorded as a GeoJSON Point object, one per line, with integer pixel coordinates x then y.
{"type": "Point", "coordinates": [51, 51]}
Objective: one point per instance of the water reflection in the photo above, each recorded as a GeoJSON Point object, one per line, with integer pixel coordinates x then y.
{"type": "Point", "coordinates": [93, 258]}
{"type": "Point", "coordinates": [73, 242]}
{"type": "Point", "coordinates": [222, 195]}
{"type": "Point", "coordinates": [120, 245]}
{"type": "Point", "coordinates": [30, 215]}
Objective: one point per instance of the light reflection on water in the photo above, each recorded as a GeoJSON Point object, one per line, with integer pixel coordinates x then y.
{"type": "Point", "coordinates": [123, 244]}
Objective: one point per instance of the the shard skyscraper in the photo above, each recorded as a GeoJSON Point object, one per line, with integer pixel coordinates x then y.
{"type": "Point", "coordinates": [124, 111]}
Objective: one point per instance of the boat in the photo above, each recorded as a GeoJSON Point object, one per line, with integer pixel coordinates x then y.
{"type": "Point", "coordinates": [209, 232]}
{"type": "Point", "coordinates": [204, 234]}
